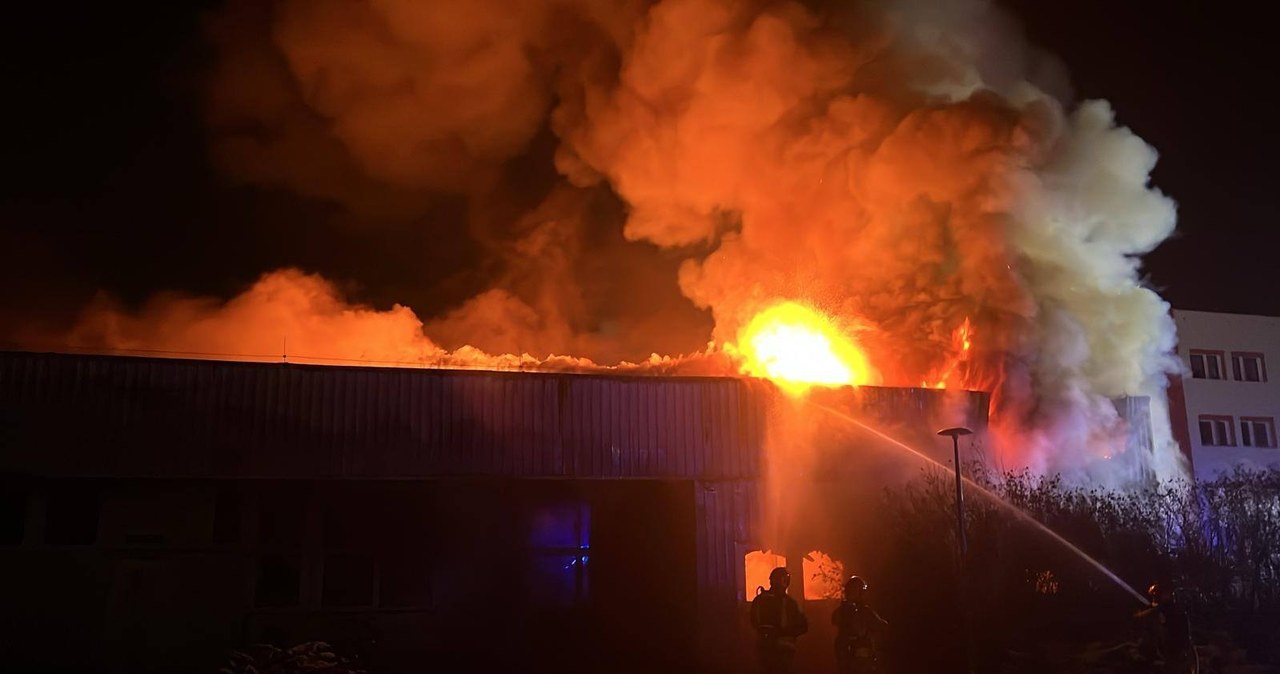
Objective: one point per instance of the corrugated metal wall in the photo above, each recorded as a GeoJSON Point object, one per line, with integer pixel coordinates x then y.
{"type": "Point", "coordinates": [103, 415]}
{"type": "Point", "coordinates": [728, 513]}
{"type": "Point", "coordinates": [142, 417]}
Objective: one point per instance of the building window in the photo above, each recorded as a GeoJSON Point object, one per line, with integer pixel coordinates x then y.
{"type": "Point", "coordinates": [71, 515]}
{"type": "Point", "coordinates": [756, 566]}
{"type": "Point", "coordinates": [280, 517]}
{"type": "Point", "coordinates": [1206, 364]}
{"type": "Point", "coordinates": [279, 580]}
{"type": "Point", "coordinates": [348, 580]}
{"type": "Point", "coordinates": [404, 579]}
{"type": "Point", "coordinates": [13, 513]}
{"type": "Point", "coordinates": [1258, 432]}
{"type": "Point", "coordinates": [144, 539]}
{"type": "Point", "coordinates": [1216, 431]}
{"type": "Point", "coordinates": [823, 576]}
{"type": "Point", "coordinates": [227, 514]}
{"type": "Point", "coordinates": [1248, 366]}
{"type": "Point", "coordinates": [560, 541]}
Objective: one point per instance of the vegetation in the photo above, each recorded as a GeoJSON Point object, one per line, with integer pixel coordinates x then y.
{"type": "Point", "coordinates": [1028, 596]}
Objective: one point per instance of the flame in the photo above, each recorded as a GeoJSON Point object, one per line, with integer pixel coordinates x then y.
{"type": "Point", "coordinates": [962, 342]}
{"type": "Point", "coordinates": [799, 347]}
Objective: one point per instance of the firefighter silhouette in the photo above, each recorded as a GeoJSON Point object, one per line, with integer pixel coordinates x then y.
{"type": "Point", "coordinates": [857, 628]}
{"type": "Point", "coordinates": [1166, 633]}
{"type": "Point", "coordinates": [777, 620]}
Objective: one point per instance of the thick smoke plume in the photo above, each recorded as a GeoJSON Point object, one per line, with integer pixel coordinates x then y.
{"type": "Point", "coordinates": [905, 167]}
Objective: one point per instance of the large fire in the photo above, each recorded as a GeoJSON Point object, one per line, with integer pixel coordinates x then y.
{"type": "Point", "coordinates": [798, 347]}
{"type": "Point", "coordinates": [962, 345]}
{"type": "Point", "coordinates": [648, 178]}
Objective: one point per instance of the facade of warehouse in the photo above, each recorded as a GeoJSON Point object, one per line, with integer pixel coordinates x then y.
{"type": "Point", "coordinates": [157, 512]}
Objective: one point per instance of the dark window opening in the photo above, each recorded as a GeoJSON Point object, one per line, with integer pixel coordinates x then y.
{"type": "Point", "coordinates": [13, 514]}
{"type": "Point", "coordinates": [1258, 432]}
{"type": "Point", "coordinates": [1216, 431]}
{"type": "Point", "coordinates": [279, 578]}
{"type": "Point", "coordinates": [144, 539]}
{"type": "Point", "coordinates": [352, 521]}
{"type": "Point", "coordinates": [560, 541]}
{"type": "Point", "coordinates": [71, 516]}
{"type": "Point", "coordinates": [1206, 364]}
{"type": "Point", "coordinates": [227, 515]}
{"type": "Point", "coordinates": [280, 517]}
{"type": "Point", "coordinates": [404, 580]}
{"type": "Point", "coordinates": [1248, 367]}
{"type": "Point", "coordinates": [559, 580]}
{"type": "Point", "coordinates": [348, 580]}
{"type": "Point", "coordinates": [1197, 366]}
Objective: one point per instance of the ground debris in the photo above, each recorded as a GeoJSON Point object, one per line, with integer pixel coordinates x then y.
{"type": "Point", "coordinates": [314, 656]}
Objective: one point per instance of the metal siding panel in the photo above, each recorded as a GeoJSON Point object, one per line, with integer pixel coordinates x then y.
{"type": "Point", "coordinates": [637, 459]}
{"type": "Point", "coordinates": [653, 428]}
{"type": "Point", "coordinates": [273, 419]}
{"type": "Point", "coordinates": [492, 415]}
{"type": "Point", "coordinates": [611, 464]}
{"type": "Point", "coordinates": [407, 447]}
{"type": "Point", "coordinates": [537, 451]}
{"type": "Point", "coordinates": [658, 430]}
{"type": "Point", "coordinates": [675, 427]}
{"type": "Point", "coordinates": [504, 440]}
{"type": "Point", "coordinates": [602, 408]}
{"type": "Point", "coordinates": [584, 415]}
{"type": "Point", "coordinates": [717, 597]}
{"type": "Point", "coordinates": [587, 445]}
{"type": "Point", "coordinates": [569, 419]}
{"type": "Point", "coordinates": [447, 412]}
{"type": "Point", "coordinates": [518, 434]}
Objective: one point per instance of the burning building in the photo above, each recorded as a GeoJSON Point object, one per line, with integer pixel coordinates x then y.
{"type": "Point", "coordinates": [889, 200]}
{"type": "Point", "coordinates": [158, 511]}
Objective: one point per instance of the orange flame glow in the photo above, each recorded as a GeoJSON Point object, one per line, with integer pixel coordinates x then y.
{"type": "Point", "coordinates": [962, 342]}
{"type": "Point", "coordinates": [798, 347]}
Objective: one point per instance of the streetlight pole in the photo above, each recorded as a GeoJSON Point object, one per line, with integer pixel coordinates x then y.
{"type": "Point", "coordinates": [961, 542]}
{"type": "Point", "coordinates": [954, 434]}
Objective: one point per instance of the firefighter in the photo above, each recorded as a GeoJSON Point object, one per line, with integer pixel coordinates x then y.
{"type": "Point", "coordinates": [857, 627]}
{"type": "Point", "coordinates": [1166, 632]}
{"type": "Point", "coordinates": [777, 620]}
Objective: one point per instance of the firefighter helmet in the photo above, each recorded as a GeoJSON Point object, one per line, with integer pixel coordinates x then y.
{"type": "Point", "coordinates": [779, 577]}
{"type": "Point", "coordinates": [854, 587]}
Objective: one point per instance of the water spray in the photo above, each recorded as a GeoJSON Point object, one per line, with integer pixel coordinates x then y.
{"type": "Point", "coordinates": [992, 496]}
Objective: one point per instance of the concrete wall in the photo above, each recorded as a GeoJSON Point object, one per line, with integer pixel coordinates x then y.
{"type": "Point", "coordinates": [1228, 397]}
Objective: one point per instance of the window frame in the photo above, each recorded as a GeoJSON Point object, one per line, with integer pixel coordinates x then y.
{"type": "Point", "coordinates": [1269, 423]}
{"type": "Point", "coordinates": [69, 494]}
{"type": "Point", "coordinates": [289, 548]}
{"type": "Point", "coordinates": [333, 539]}
{"type": "Point", "coordinates": [1237, 363]}
{"type": "Point", "coordinates": [578, 551]}
{"type": "Point", "coordinates": [1227, 420]}
{"type": "Point", "coordinates": [1217, 354]}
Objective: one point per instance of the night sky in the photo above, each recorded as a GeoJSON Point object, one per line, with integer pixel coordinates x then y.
{"type": "Point", "coordinates": [107, 183]}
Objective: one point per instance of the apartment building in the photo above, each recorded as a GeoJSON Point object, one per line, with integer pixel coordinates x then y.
{"type": "Point", "coordinates": [1225, 404]}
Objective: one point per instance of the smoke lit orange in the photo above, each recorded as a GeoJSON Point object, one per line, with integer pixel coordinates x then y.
{"type": "Point", "coordinates": [798, 347]}
{"type": "Point", "coordinates": [962, 342]}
